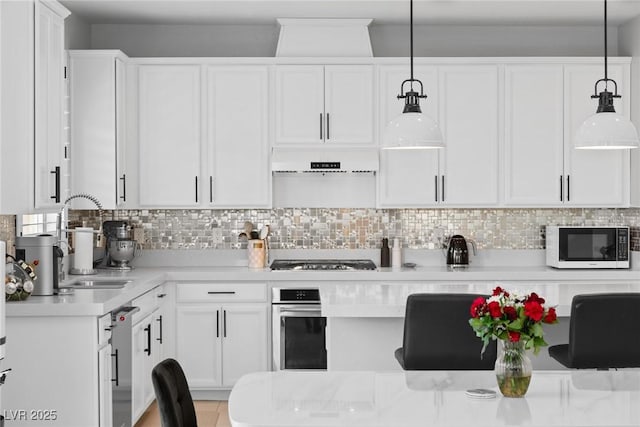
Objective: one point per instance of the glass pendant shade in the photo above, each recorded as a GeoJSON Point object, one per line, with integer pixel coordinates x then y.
{"type": "Point", "coordinates": [606, 131]}
{"type": "Point", "coordinates": [412, 130]}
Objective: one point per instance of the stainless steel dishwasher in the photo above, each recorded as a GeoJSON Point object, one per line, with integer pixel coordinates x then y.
{"type": "Point", "coordinates": [121, 341]}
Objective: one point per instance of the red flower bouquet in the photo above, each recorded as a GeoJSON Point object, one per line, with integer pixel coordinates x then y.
{"type": "Point", "coordinates": [512, 318]}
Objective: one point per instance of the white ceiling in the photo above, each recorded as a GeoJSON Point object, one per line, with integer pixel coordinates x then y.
{"type": "Point", "coordinates": [443, 12]}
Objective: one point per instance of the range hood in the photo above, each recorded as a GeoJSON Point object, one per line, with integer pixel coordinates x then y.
{"type": "Point", "coordinates": [324, 160]}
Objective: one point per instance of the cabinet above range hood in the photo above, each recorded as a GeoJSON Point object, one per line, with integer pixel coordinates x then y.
{"type": "Point", "coordinates": [324, 160]}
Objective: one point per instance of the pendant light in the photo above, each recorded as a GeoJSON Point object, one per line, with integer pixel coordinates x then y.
{"type": "Point", "coordinates": [606, 129]}
{"type": "Point", "coordinates": [412, 129]}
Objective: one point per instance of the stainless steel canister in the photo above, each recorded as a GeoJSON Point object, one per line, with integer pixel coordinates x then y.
{"type": "Point", "coordinates": [39, 252]}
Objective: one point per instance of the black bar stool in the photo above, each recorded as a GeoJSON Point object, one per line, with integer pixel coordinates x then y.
{"type": "Point", "coordinates": [603, 332]}
{"type": "Point", "coordinates": [437, 335]}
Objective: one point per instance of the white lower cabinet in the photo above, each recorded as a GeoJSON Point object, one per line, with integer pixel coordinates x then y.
{"type": "Point", "coordinates": [105, 391]}
{"type": "Point", "coordinates": [143, 363]}
{"type": "Point", "coordinates": [220, 340]}
{"type": "Point", "coordinates": [151, 339]}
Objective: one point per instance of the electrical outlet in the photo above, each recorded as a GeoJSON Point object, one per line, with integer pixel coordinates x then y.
{"type": "Point", "coordinates": [216, 235]}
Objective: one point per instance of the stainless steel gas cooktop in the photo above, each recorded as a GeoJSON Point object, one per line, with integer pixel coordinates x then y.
{"type": "Point", "coordinates": [323, 264]}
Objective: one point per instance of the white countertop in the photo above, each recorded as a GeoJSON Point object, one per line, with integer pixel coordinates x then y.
{"type": "Point", "coordinates": [433, 398]}
{"type": "Point", "coordinates": [379, 293]}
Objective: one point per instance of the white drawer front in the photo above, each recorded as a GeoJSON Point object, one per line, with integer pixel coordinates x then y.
{"type": "Point", "coordinates": [219, 292]}
{"type": "Point", "coordinates": [147, 302]}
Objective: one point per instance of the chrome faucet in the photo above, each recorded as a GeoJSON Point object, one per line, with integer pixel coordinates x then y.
{"type": "Point", "coordinates": [59, 229]}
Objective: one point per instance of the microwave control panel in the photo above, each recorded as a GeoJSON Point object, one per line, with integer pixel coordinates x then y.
{"type": "Point", "coordinates": [623, 244]}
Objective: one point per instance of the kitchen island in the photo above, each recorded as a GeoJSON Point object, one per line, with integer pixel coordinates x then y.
{"type": "Point", "coordinates": [434, 398]}
{"type": "Point", "coordinates": [53, 340]}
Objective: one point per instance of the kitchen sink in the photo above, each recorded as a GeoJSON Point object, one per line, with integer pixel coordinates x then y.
{"type": "Point", "coordinates": [97, 284]}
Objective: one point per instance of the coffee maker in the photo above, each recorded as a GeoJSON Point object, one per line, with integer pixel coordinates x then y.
{"type": "Point", "coordinates": [119, 247]}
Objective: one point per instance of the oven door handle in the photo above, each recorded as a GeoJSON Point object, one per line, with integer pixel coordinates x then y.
{"type": "Point", "coordinates": [300, 312]}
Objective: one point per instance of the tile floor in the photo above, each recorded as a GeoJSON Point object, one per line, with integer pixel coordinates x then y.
{"type": "Point", "coordinates": [210, 413]}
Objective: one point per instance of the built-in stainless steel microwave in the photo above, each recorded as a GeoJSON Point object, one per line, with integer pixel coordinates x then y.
{"type": "Point", "coordinates": [587, 247]}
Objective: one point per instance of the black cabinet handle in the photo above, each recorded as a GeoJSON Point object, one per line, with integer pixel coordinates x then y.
{"type": "Point", "coordinates": [148, 331]}
{"type": "Point", "coordinates": [196, 189]}
{"type": "Point", "coordinates": [561, 190]}
{"type": "Point", "coordinates": [327, 126]}
{"type": "Point", "coordinates": [217, 323]}
{"type": "Point", "coordinates": [443, 188]}
{"type": "Point", "coordinates": [117, 378]}
{"type": "Point", "coordinates": [224, 322]}
{"type": "Point", "coordinates": [56, 172]}
{"type": "Point", "coordinates": [436, 186]}
{"type": "Point", "coordinates": [123, 178]}
{"type": "Point", "coordinates": [568, 188]}
{"type": "Point", "coordinates": [320, 126]}
{"type": "Point", "coordinates": [210, 189]}
{"type": "Point", "coordinates": [159, 319]}
{"type": "Point", "coordinates": [221, 292]}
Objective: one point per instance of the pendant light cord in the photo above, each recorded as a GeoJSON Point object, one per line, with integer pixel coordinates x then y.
{"type": "Point", "coordinates": [606, 76]}
{"type": "Point", "coordinates": [411, 38]}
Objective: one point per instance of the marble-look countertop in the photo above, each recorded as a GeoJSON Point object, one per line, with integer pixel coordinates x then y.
{"type": "Point", "coordinates": [379, 293]}
{"type": "Point", "coordinates": [433, 398]}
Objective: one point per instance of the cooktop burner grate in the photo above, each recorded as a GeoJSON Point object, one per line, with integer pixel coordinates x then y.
{"type": "Point", "coordinates": [323, 264]}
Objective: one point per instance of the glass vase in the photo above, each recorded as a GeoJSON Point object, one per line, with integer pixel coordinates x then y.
{"type": "Point", "coordinates": [513, 369]}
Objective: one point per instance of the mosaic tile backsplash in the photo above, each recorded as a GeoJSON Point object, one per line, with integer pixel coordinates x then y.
{"type": "Point", "coordinates": [316, 228]}
{"type": "Point", "coordinates": [8, 231]}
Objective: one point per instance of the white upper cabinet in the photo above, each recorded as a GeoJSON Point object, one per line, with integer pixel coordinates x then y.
{"type": "Point", "coordinates": [594, 177]}
{"type": "Point", "coordinates": [16, 107]}
{"type": "Point", "coordinates": [533, 147]}
{"type": "Point", "coordinates": [97, 122]}
{"type": "Point", "coordinates": [545, 104]}
{"type": "Point", "coordinates": [469, 109]}
{"type": "Point", "coordinates": [169, 104]}
{"type": "Point", "coordinates": [49, 103]}
{"type": "Point", "coordinates": [407, 178]}
{"type": "Point", "coordinates": [238, 172]}
{"type": "Point", "coordinates": [318, 104]}
{"type": "Point", "coordinates": [464, 99]}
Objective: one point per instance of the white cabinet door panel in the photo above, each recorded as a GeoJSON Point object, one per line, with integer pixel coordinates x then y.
{"type": "Point", "coordinates": [198, 341]}
{"type": "Point", "coordinates": [245, 331]}
{"type": "Point", "coordinates": [49, 107]}
{"type": "Point", "coordinates": [600, 177]}
{"type": "Point", "coordinates": [469, 125]}
{"type": "Point", "coordinates": [533, 148]}
{"type": "Point", "coordinates": [407, 178]}
{"type": "Point", "coordinates": [349, 104]}
{"type": "Point", "coordinates": [237, 134]}
{"type": "Point", "coordinates": [299, 104]}
{"type": "Point", "coordinates": [169, 131]}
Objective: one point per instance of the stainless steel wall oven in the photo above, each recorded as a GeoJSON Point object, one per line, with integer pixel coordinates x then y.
{"type": "Point", "coordinates": [299, 340]}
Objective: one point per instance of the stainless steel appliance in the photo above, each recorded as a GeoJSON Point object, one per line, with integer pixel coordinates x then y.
{"type": "Point", "coordinates": [41, 252]}
{"type": "Point", "coordinates": [458, 251]}
{"type": "Point", "coordinates": [323, 264]}
{"type": "Point", "coordinates": [587, 247]}
{"type": "Point", "coordinates": [121, 343]}
{"type": "Point", "coordinates": [120, 247]}
{"type": "Point", "coordinates": [299, 340]}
